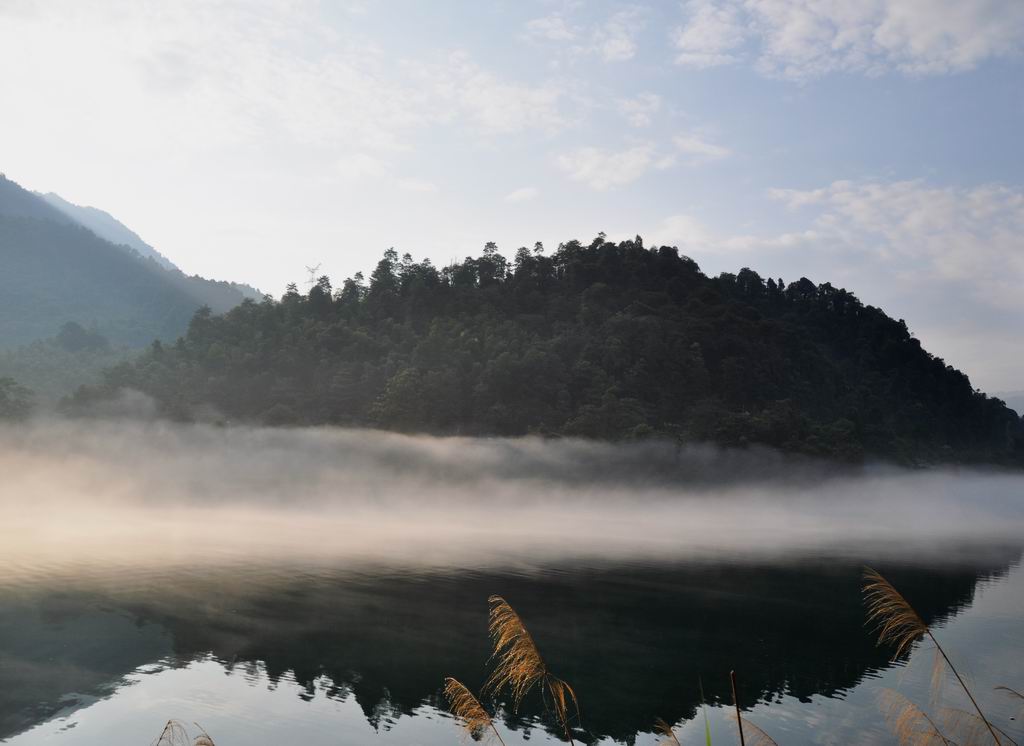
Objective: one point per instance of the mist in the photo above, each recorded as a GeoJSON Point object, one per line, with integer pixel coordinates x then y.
{"type": "Point", "coordinates": [77, 495]}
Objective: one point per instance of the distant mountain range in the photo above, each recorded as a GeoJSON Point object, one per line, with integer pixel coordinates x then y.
{"type": "Point", "coordinates": [62, 262]}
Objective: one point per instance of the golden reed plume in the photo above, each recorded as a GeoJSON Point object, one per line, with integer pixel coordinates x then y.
{"type": "Point", "coordinates": [475, 719]}
{"type": "Point", "coordinates": [897, 623]}
{"type": "Point", "coordinates": [910, 724]}
{"type": "Point", "coordinates": [895, 618]}
{"type": "Point", "coordinates": [519, 665]}
{"type": "Point", "coordinates": [668, 736]}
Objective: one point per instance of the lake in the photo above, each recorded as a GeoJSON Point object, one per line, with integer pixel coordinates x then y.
{"type": "Point", "coordinates": [317, 586]}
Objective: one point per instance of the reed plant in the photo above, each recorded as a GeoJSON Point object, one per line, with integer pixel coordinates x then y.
{"type": "Point", "coordinates": [176, 734]}
{"type": "Point", "coordinates": [518, 669]}
{"type": "Point", "coordinates": [476, 721]}
{"type": "Point", "coordinates": [898, 624]}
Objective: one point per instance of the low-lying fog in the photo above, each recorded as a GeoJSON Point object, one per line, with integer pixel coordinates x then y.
{"type": "Point", "coordinates": [83, 494]}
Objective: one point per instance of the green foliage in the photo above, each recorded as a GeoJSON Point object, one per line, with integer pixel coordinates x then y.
{"type": "Point", "coordinates": [601, 340]}
{"type": "Point", "coordinates": [15, 400]}
{"type": "Point", "coordinates": [57, 366]}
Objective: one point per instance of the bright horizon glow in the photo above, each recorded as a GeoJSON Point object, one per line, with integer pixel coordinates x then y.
{"type": "Point", "coordinates": [873, 144]}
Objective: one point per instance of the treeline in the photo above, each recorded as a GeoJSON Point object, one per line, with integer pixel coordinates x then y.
{"type": "Point", "coordinates": [55, 367]}
{"type": "Point", "coordinates": [602, 340]}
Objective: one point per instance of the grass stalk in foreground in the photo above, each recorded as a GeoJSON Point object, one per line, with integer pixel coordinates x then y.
{"type": "Point", "coordinates": [899, 624]}
{"type": "Point", "coordinates": [176, 734]}
{"type": "Point", "coordinates": [475, 719]}
{"type": "Point", "coordinates": [736, 704]}
{"type": "Point", "coordinates": [911, 725]}
{"type": "Point", "coordinates": [520, 666]}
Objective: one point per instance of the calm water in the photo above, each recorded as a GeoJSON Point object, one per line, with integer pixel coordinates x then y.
{"type": "Point", "coordinates": [316, 622]}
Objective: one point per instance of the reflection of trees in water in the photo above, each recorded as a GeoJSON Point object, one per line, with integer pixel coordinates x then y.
{"type": "Point", "coordinates": [632, 640]}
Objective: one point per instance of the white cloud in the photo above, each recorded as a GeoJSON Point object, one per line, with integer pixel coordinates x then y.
{"type": "Point", "coordinates": [458, 89]}
{"type": "Point", "coordinates": [971, 236]}
{"type": "Point", "coordinates": [801, 39]}
{"type": "Point", "coordinates": [602, 169]}
{"type": "Point", "coordinates": [698, 149]}
{"type": "Point", "coordinates": [551, 28]}
{"type": "Point", "coordinates": [711, 35]}
{"type": "Point", "coordinates": [639, 110]}
{"type": "Point", "coordinates": [949, 260]}
{"type": "Point", "coordinates": [525, 194]}
{"type": "Point", "coordinates": [615, 40]}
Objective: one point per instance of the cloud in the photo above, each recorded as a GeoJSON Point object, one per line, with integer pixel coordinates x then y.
{"type": "Point", "coordinates": [968, 235]}
{"type": "Point", "coordinates": [803, 39]}
{"type": "Point", "coordinates": [640, 109]}
{"type": "Point", "coordinates": [948, 259]}
{"type": "Point", "coordinates": [602, 169]}
{"type": "Point", "coordinates": [699, 149]}
{"type": "Point", "coordinates": [550, 28]}
{"type": "Point", "coordinates": [525, 194]}
{"type": "Point", "coordinates": [711, 35]}
{"type": "Point", "coordinates": [458, 89]}
{"type": "Point", "coordinates": [615, 40]}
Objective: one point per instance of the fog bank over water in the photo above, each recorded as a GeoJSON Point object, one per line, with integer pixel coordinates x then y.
{"type": "Point", "coordinates": [89, 494]}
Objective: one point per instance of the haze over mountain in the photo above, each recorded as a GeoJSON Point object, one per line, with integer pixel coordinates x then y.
{"type": "Point", "coordinates": [106, 226]}
{"type": "Point", "coordinates": [66, 263]}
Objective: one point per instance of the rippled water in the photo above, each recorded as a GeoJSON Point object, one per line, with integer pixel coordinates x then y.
{"type": "Point", "coordinates": [133, 591]}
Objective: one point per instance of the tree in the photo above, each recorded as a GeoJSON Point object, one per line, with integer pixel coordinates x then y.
{"type": "Point", "coordinates": [15, 400]}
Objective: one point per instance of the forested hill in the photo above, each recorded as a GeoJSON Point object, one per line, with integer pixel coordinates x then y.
{"type": "Point", "coordinates": [54, 270]}
{"type": "Point", "coordinates": [601, 340]}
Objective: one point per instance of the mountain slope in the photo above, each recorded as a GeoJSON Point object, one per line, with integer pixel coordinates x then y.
{"type": "Point", "coordinates": [55, 271]}
{"type": "Point", "coordinates": [603, 341]}
{"type": "Point", "coordinates": [107, 227]}
{"type": "Point", "coordinates": [1014, 400]}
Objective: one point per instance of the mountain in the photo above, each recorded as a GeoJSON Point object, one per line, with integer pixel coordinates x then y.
{"type": "Point", "coordinates": [1014, 400]}
{"type": "Point", "coordinates": [107, 227]}
{"type": "Point", "coordinates": [57, 269]}
{"type": "Point", "coordinates": [611, 341]}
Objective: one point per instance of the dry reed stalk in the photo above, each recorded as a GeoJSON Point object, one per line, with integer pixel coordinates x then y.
{"type": "Point", "coordinates": [203, 739]}
{"type": "Point", "coordinates": [520, 666]}
{"type": "Point", "coordinates": [970, 726]}
{"type": "Point", "coordinates": [910, 724]}
{"type": "Point", "coordinates": [736, 702]}
{"type": "Point", "coordinates": [475, 719]}
{"type": "Point", "coordinates": [176, 734]}
{"type": "Point", "coordinates": [173, 734]}
{"type": "Point", "coordinates": [760, 738]}
{"type": "Point", "coordinates": [899, 624]}
{"type": "Point", "coordinates": [666, 732]}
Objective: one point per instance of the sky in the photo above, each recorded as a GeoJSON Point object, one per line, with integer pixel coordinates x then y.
{"type": "Point", "coordinates": [873, 144]}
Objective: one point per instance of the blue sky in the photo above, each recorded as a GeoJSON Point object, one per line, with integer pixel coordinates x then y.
{"type": "Point", "coordinates": [874, 144]}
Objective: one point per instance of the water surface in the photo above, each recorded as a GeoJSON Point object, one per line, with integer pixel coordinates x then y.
{"type": "Point", "coordinates": [317, 586]}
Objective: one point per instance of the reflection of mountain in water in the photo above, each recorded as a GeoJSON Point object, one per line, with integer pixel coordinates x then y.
{"type": "Point", "coordinates": [633, 640]}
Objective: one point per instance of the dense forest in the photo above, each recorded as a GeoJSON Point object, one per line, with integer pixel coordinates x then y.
{"type": "Point", "coordinates": [60, 364]}
{"type": "Point", "coordinates": [602, 340]}
{"type": "Point", "coordinates": [56, 269]}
